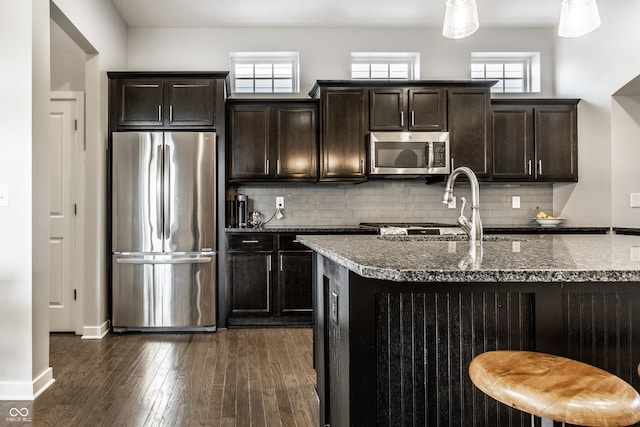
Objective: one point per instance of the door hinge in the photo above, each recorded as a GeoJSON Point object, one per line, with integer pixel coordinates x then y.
{"type": "Point", "coordinates": [75, 209]}
{"type": "Point", "coordinates": [75, 294]}
{"type": "Point", "coordinates": [75, 124]}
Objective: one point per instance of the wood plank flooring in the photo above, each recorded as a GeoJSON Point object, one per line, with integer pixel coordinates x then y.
{"type": "Point", "coordinates": [236, 377]}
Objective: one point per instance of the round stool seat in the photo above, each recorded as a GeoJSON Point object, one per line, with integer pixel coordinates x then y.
{"type": "Point", "coordinates": [556, 387]}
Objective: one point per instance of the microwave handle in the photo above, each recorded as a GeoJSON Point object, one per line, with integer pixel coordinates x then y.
{"type": "Point", "coordinates": [428, 153]}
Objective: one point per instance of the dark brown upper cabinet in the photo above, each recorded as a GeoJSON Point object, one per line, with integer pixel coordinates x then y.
{"type": "Point", "coordinates": [165, 100]}
{"type": "Point", "coordinates": [272, 140]}
{"type": "Point", "coordinates": [419, 109]}
{"type": "Point", "coordinates": [342, 143]}
{"type": "Point", "coordinates": [535, 140]}
{"type": "Point", "coordinates": [469, 131]}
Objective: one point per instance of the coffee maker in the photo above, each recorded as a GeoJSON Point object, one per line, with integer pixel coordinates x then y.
{"type": "Point", "coordinates": [241, 210]}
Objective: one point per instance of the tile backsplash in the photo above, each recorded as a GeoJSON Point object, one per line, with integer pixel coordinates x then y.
{"type": "Point", "coordinates": [394, 201]}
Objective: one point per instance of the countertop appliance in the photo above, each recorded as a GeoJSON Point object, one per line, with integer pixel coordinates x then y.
{"type": "Point", "coordinates": [425, 228]}
{"type": "Point", "coordinates": [409, 154]}
{"type": "Point", "coordinates": [163, 208]}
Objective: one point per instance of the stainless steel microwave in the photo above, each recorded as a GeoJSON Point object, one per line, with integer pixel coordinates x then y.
{"type": "Point", "coordinates": [409, 153]}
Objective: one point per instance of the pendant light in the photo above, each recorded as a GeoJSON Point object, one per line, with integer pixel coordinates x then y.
{"type": "Point", "coordinates": [460, 19]}
{"type": "Point", "coordinates": [578, 17]}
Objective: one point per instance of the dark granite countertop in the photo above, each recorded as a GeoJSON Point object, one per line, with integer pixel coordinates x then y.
{"type": "Point", "coordinates": [508, 258]}
{"type": "Point", "coordinates": [491, 229]}
{"type": "Point", "coordinates": [339, 229]}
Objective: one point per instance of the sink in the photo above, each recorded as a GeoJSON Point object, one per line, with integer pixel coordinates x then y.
{"type": "Point", "coordinates": [447, 238]}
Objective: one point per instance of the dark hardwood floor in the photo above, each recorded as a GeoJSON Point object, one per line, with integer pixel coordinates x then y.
{"type": "Point", "coordinates": [236, 377]}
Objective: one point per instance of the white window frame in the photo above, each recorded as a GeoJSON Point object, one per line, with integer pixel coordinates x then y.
{"type": "Point", "coordinates": [412, 59]}
{"type": "Point", "coordinates": [529, 60]}
{"type": "Point", "coordinates": [267, 58]}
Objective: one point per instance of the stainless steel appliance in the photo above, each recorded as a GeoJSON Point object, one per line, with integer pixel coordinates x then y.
{"type": "Point", "coordinates": [163, 231]}
{"type": "Point", "coordinates": [242, 210]}
{"type": "Point", "coordinates": [409, 154]}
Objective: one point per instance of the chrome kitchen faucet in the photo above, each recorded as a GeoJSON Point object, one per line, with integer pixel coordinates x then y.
{"type": "Point", "coordinates": [473, 228]}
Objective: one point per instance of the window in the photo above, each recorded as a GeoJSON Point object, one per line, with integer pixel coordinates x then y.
{"type": "Point", "coordinates": [385, 65]}
{"type": "Point", "coordinates": [264, 72]}
{"type": "Point", "coordinates": [516, 72]}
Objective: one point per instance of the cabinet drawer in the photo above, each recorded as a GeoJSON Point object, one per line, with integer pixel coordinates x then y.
{"type": "Point", "coordinates": [289, 242]}
{"type": "Point", "coordinates": [250, 242]}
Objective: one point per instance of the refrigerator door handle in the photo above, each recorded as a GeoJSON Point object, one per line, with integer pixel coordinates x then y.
{"type": "Point", "coordinates": [159, 194]}
{"type": "Point", "coordinates": [166, 189]}
{"type": "Point", "coordinates": [174, 260]}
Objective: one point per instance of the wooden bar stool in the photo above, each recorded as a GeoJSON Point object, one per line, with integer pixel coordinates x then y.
{"type": "Point", "coordinates": [556, 387]}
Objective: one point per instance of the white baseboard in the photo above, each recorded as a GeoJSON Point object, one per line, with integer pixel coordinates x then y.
{"type": "Point", "coordinates": [95, 332]}
{"type": "Point", "coordinates": [22, 391]}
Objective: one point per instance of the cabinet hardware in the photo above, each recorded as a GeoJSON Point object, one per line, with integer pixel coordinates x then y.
{"type": "Point", "coordinates": [539, 167]}
{"type": "Point", "coordinates": [266, 167]}
{"type": "Point", "coordinates": [268, 267]}
{"type": "Point", "coordinates": [452, 165]}
{"type": "Point", "coordinates": [402, 118]}
{"type": "Point", "coordinates": [281, 262]}
{"type": "Point", "coordinates": [278, 167]}
{"type": "Point", "coordinates": [413, 118]}
{"type": "Point", "coordinates": [159, 113]}
{"type": "Point", "coordinates": [252, 242]}
{"type": "Point", "coordinates": [170, 113]}
{"type": "Point", "coordinates": [529, 167]}
{"type": "Point", "coordinates": [362, 166]}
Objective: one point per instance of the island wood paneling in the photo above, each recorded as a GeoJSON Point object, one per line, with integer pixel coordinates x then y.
{"type": "Point", "coordinates": [420, 380]}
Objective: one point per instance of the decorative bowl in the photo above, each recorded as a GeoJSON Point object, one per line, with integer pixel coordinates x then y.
{"type": "Point", "coordinates": [549, 222]}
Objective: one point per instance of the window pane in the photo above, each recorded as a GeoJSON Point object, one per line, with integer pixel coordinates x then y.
{"type": "Point", "coordinates": [494, 71]}
{"type": "Point", "coordinates": [283, 85]}
{"type": "Point", "coordinates": [264, 85]}
{"type": "Point", "coordinates": [399, 71]}
{"type": "Point", "coordinates": [360, 71]}
{"type": "Point", "coordinates": [244, 86]}
{"type": "Point", "coordinates": [244, 70]}
{"type": "Point", "coordinates": [379, 71]}
{"type": "Point", "coordinates": [264, 70]}
{"type": "Point", "coordinates": [282, 70]}
{"type": "Point", "coordinates": [498, 87]}
{"type": "Point", "coordinates": [514, 85]}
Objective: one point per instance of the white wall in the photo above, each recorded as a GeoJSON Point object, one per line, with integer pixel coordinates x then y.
{"type": "Point", "coordinates": [98, 29]}
{"type": "Point", "coordinates": [325, 53]}
{"type": "Point", "coordinates": [593, 68]}
{"type": "Point", "coordinates": [24, 227]}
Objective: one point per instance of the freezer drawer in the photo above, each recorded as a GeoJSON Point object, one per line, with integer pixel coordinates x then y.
{"type": "Point", "coordinates": [164, 291]}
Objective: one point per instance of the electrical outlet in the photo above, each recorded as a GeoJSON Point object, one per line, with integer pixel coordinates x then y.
{"type": "Point", "coordinates": [280, 202]}
{"type": "Point", "coordinates": [515, 202]}
{"type": "Point", "coordinates": [452, 203]}
{"type": "Point", "coordinates": [635, 200]}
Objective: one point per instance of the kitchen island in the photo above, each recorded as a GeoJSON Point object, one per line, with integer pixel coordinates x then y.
{"type": "Point", "coordinates": [398, 319]}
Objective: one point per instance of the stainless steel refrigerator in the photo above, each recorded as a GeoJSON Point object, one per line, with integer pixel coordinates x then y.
{"type": "Point", "coordinates": [163, 207]}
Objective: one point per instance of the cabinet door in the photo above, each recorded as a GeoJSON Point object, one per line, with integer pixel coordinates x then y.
{"type": "Point", "coordinates": [342, 153]}
{"type": "Point", "coordinates": [139, 103]}
{"type": "Point", "coordinates": [294, 282]}
{"type": "Point", "coordinates": [249, 283]}
{"type": "Point", "coordinates": [387, 109]}
{"type": "Point", "coordinates": [296, 143]}
{"type": "Point", "coordinates": [556, 143]}
{"type": "Point", "coordinates": [249, 142]}
{"type": "Point", "coordinates": [427, 109]}
{"type": "Point", "coordinates": [513, 141]}
{"type": "Point", "coordinates": [469, 129]}
{"type": "Point", "coordinates": [191, 103]}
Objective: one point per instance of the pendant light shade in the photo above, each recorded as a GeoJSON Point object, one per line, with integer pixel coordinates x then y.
{"type": "Point", "coordinates": [578, 17]}
{"type": "Point", "coordinates": [460, 19]}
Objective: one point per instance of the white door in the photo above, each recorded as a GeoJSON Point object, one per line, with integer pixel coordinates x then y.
{"type": "Point", "coordinates": [64, 144]}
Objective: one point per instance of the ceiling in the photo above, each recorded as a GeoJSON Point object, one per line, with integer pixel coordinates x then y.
{"type": "Point", "coordinates": [327, 13]}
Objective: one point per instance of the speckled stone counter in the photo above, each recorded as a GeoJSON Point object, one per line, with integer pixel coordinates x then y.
{"type": "Point", "coordinates": [338, 229]}
{"type": "Point", "coordinates": [524, 258]}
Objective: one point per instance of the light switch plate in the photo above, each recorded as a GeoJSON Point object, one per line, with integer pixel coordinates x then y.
{"type": "Point", "coordinates": [4, 195]}
{"type": "Point", "coordinates": [635, 200]}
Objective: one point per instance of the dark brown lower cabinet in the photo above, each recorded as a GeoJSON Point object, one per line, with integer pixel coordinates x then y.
{"type": "Point", "coordinates": [396, 354]}
{"type": "Point", "coordinates": [269, 280]}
